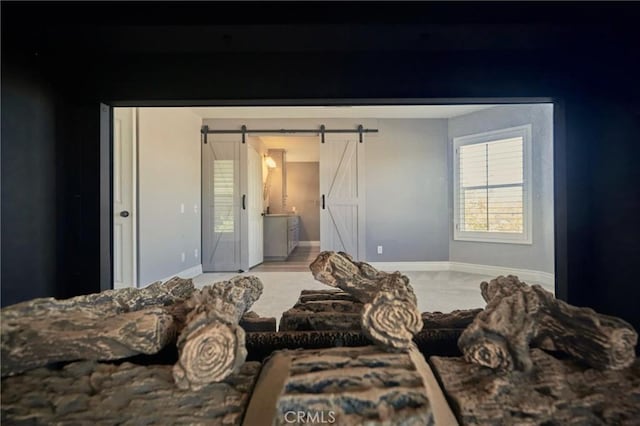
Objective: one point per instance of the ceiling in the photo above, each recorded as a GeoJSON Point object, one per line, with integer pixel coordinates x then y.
{"type": "Point", "coordinates": [368, 111]}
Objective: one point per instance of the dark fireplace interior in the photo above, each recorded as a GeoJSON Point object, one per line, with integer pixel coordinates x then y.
{"type": "Point", "coordinates": [65, 64]}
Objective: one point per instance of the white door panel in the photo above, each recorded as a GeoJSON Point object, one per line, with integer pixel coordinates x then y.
{"type": "Point", "coordinates": [342, 214]}
{"type": "Point", "coordinates": [124, 148]}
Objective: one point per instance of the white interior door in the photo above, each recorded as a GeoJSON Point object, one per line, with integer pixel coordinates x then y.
{"type": "Point", "coordinates": [254, 206]}
{"type": "Point", "coordinates": [224, 201]}
{"type": "Point", "coordinates": [342, 203]}
{"type": "Point", "coordinates": [124, 152]}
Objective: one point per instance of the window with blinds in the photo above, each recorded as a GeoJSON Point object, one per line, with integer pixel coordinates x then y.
{"type": "Point", "coordinates": [492, 186]}
{"type": "Point", "coordinates": [223, 195]}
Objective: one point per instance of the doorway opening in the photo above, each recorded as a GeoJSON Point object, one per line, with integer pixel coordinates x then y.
{"type": "Point", "coordinates": [323, 174]}
{"type": "Point", "coordinates": [291, 237]}
{"type": "Point", "coordinates": [456, 193]}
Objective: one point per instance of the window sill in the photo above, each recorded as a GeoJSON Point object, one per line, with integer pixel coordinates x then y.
{"type": "Point", "coordinates": [496, 240]}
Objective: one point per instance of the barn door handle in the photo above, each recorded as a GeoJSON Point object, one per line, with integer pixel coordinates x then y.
{"type": "Point", "coordinates": [244, 201]}
{"type": "Point", "coordinates": [322, 201]}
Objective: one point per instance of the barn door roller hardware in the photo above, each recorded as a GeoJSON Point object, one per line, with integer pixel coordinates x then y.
{"type": "Point", "coordinates": [205, 132]}
{"type": "Point", "coordinates": [360, 130]}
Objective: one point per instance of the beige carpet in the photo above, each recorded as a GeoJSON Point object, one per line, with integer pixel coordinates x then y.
{"type": "Point", "coordinates": [442, 291]}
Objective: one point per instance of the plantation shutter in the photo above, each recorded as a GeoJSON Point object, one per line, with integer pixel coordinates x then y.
{"type": "Point", "coordinates": [223, 196]}
{"type": "Point", "coordinates": [491, 186]}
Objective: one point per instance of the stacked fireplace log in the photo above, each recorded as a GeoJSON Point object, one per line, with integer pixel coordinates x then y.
{"type": "Point", "coordinates": [501, 369]}
{"type": "Point", "coordinates": [526, 358]}
{"type": "Point", "coordinates": [591, 376]}
{"type": "Point", "coordinates": [116, 324]}
{"type": "Point", "coordinates": [390, 315]}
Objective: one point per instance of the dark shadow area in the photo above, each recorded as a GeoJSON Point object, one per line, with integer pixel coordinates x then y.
{"type": "Point", "coordinates": [60, 60]}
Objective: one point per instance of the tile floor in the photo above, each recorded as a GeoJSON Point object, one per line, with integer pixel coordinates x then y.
{"type": "Point", "coordinates": [436, 290]}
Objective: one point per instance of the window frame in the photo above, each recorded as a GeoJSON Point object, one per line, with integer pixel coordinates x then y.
{"type": "Point", "coordinates": [526, 237]}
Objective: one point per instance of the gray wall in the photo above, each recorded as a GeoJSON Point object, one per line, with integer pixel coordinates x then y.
{"type": "Point", "coordinates": [406, 187]}
{"type": "Point", "coordinates": [409, 201]}
{"type": "Point", "coordinates": [303, 192]}
{"type": "Point", "coordinates": [168, 175]}
{"type": "Point", "coordinates": [540, 255]}
{"type": "Point", "coordinates": [406, 183]}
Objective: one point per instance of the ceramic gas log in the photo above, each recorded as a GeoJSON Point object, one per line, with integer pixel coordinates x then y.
{"type": "Point", "coordinates": [323, 310]}
{"type": "Point", "coordinates": [458, 319]}
{"type": "Point", "coordinates": [127, 394]}
{"type": "Point", "coordinates": [554, 392]}
{"type": "Point", "coordinates": [390, 316]}
{"type": "Point", "coordinates": [518, 316]}
{"type": "Point", "coordinates": [110, 325]}
{"type": "Point", "coordinates": [212, 343]}
{"type": "Point", "coordinates": [252, 322]}
{"type": "Point", "coordinates": [319, 310]}
{"type": "Point", "coordinates": [347, 386]}
{"type": "Point", "coordinates": [122, 323]}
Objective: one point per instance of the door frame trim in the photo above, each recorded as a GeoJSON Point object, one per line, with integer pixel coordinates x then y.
{"type": "Point", "coordinates": [106, 196]}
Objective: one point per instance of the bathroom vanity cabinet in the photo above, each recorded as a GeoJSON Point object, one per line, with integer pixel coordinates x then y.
{"type": "Point", "coordinates": [280, 235]}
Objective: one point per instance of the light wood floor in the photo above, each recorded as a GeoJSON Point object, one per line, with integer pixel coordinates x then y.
{"type": "Point", "coordinates": [298, 261]}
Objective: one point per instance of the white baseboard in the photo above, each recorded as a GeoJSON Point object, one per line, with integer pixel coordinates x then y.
{"type": "Point", "coordinates": [194, 271]}
{"type": "Point", "coordinates": [545, 278]}
{"type": "Point", "coordinates": [411, 266]}
{"type": "Point", "coordinates": [309, 243]}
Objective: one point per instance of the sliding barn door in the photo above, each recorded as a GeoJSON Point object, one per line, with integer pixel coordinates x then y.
{"type": "Point", "coordinates": [224, 201]}
{"type": "Point", "coordinates": [342, 202]}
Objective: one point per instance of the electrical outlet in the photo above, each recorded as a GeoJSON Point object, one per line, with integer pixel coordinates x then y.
{"type": "Point", "coordinates": [379, 249]}
{"type": "Point", "coordinates": [183, 256]}
{"type": "Point", "coordinates": [182, 208]}
{"type": "Point", "coordinates": [195, 253]}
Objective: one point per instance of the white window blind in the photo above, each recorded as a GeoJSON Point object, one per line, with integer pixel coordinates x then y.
{"type": "Point", "coordinates": [223, 195]}
{"type": "Point", "coordinates": [492, 196]}
{"type": "Point", "coordinates": [492, 191]}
